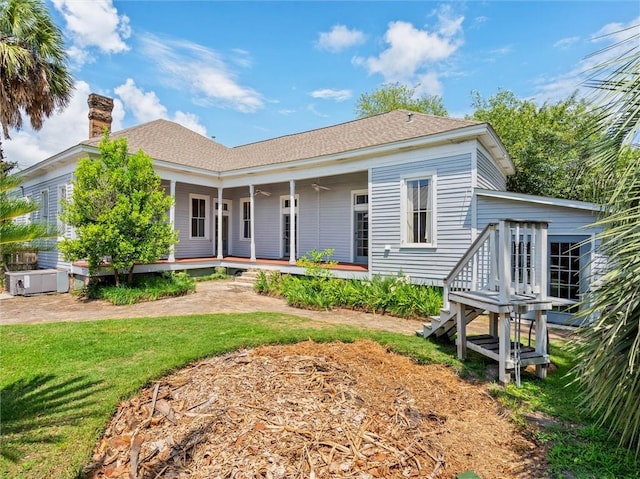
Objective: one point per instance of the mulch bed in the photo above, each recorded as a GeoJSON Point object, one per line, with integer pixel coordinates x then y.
{"type": "Point", "coordinates": [313, 411]}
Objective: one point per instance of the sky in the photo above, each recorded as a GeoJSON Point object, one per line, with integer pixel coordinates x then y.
{"type": "Point", "coordinates": [243, 72]}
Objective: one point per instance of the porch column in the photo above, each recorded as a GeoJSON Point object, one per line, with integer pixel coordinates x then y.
{"type": "Point", "coordinates": [252, 222]}
{"type": "Point", "coordinates": [504, 351]}
{"type": "Point", "coordinates": [220, 213]}
{"type": "Point", "coordinates": [172, 218]}
{"type": "Point", "coordinates": [541, 341]}
{"type": "Point", "coordinates": [292, 222]}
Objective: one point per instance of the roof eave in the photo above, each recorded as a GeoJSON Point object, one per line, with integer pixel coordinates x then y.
{"type": "Point", "coordinates": [56, 160]}
{"type": "Point", "coordinates": [451, 136]}
{"type": "Point", "coordinates": [543, 200]}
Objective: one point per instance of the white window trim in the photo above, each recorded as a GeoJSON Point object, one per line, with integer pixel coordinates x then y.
{"type": "Point", "coordinates": [228, 214]}
{"type": "Point", "coordinates": [64, 230]}
{"type": "Point", "coordinates": [354, 208]}
{"type": "Point", "coordinates": [47, 209]}
{"type": "Point", "coordinates": [242, 220]}
{"type": "Point", "coordinates": [432, 177]}
{"type": "Point", "coordinates": [287, 211]}
{"type": "Point", "coordinates": [207, 226]}
{"type": "Point", "coordinates": [29, 217]}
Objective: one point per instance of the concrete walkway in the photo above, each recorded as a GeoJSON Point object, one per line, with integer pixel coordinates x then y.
{"type": "Point", "coordinates": [211, 297]}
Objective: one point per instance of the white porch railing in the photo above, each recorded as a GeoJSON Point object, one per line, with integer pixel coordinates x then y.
{"type": "Point", "coordinates": [508, 258]}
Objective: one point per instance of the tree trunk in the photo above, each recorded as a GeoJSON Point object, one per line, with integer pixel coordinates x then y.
{"type": "Point", "coordinates": [130, 277]}
{"type": "Point", "coordinates": [116, 273]}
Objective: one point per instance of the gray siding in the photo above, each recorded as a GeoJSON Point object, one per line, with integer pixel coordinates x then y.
{"type": "Point", "coordinates": [489, 175]}
{"type": "Point", "coordinates": [562, 220]}
{"type": "Point", "coordinates": [187, 247]}
{"type": "Point", "coordinates": [324, 218]}
{"type": "Point", "coordinates": [453, 197]}
{"type": "Point", "coordinates": [51, 258]}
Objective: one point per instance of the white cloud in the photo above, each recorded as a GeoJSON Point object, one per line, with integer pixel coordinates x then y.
{"type": "Point", "coordinates": [565, 43]}
{"type": "Point", "coordinates": [412, 52]}
{"type": "Point", "coordinates": [609, 38]}
{"type": "Point", "coordinates": [94, 24]}
{"type": "Point", "coordinates": [429, 84]}
{"type": "Point", "coordinates": [340, 38]}
{"type": "Point", "coordinates": [312, 108]}
{"type": "Point", "coordinates": [146, 106]}
{"type": "Point", "coordinates": [203, 71]}
{"type": "Point", "coordinates": [331, 94]}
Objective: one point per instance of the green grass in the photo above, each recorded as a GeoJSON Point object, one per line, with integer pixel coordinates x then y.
{"type": "Point", "coordinates": [60, 383]}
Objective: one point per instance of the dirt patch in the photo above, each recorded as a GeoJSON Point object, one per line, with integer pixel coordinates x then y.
{"type": "Point", "coordinates": [313, 411]}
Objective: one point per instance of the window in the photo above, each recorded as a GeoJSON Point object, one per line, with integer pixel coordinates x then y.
{"type": "Point", "coordinates": [44, 206]}
{"type": "Point", "coordinates": [199, 204]}
{"type": "Point", "coordinates": [64, 230]}
{"type": "Point", "coordinates": [360, 199]}
{"type": "Point", "coordinates": [245, 232]}
{"type": "Point", "coordinates": [29, 217]}
{"type": "Point", "coordinates": [419, 212]}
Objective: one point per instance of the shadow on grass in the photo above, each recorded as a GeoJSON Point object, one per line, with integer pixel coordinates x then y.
{"type": "Point", "coordinates": [33, 410]}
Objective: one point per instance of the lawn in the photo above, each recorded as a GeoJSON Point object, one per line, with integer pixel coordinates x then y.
{"type": "Point", "coordinates": [62, 382]}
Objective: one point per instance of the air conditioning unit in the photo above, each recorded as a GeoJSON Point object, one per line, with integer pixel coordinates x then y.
{"type": "Point", "coordinates": [38, 281]}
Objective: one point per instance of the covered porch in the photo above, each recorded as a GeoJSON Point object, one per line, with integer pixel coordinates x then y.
{"type": "Point", "coordinates": [271, 223]}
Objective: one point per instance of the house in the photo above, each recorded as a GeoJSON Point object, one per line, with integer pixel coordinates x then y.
{"type": "Point", "coordinates": [400, 192]}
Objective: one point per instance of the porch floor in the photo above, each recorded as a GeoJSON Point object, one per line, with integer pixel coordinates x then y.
{"type": "Point", "coordinates": [241, 262]}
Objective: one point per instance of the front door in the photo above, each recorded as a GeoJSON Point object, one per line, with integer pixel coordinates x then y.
{"type": "Point", "coordinates": [225, 236]}
{"type": "Point", "coordinates": [361, 237]}
{"type": "Point", "coordinates": [286, 235]}
{"type": "Point", "coordinates": [568, 261]}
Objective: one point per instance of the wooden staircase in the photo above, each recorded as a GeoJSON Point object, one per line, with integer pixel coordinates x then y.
{"type": "Point", "coordinates": [502, 274]}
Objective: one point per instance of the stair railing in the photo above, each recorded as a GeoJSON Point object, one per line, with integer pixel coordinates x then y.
{"type": "Point", "coordinates": [508, 257]}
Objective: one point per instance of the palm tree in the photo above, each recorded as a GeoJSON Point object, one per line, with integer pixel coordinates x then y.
{"type": "Point", "coordinates": [34, 78]}
{"type": "Point", "coordinates": [15, 237]}
{"type": "Point", "coordinates": [609, 348]}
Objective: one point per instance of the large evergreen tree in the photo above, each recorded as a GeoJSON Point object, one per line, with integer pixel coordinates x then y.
{"type": "Point", "coordinates": [118, 210]}
{"type": "Point", "coordinates": [34, 78]}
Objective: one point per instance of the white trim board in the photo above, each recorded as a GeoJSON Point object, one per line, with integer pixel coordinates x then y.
{"type": "Point", "coordinates": [541, 200]}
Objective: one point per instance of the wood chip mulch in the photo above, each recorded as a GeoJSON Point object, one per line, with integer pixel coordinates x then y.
{"type": "Point", "coordinates": [312, 411]}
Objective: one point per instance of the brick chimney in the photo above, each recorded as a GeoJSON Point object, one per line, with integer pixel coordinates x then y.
{"type": "Point", "coordinates": [100, 108]}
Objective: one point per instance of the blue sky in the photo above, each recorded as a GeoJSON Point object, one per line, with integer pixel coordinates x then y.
{"type": "Point", "coordinates": [249, 71]}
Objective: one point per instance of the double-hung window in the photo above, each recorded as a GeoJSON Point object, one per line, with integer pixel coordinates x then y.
{"type": "Point", "coordinates": [245, 224]}
{"type": "Point", "coordinates": [199, 206]}
{"type": "Point", "coordinates": [418, 211]}
{"type": "Point", "coordinates": [44, 206]}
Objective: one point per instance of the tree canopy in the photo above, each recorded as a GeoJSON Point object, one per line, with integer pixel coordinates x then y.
{"type": "Point", "coordinates": [34, 78]}
{"type": "Point", "coordinates": [118, 210]}
{"type": "Point", "coordinates": [394, 96]}
{"type": "Point", "coordinates": [549, 144]}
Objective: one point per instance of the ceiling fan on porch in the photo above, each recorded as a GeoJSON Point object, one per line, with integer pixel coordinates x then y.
{"type": "Point", "coordinates": [261, 192]}
{"type": "Point", "coordinates": [318, 187]}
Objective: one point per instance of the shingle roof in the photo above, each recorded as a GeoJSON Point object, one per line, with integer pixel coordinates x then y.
{"type": "Point", "coordinates": [168, 141]}
{"type": "Point", "coordinates": [362, 133]}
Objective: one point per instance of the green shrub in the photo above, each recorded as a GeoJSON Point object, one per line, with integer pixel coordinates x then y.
{"type": "Point", "coordinates": [220, 272]}
{"type": "Point", "coordinates": [145, 288]}
{"type": "Point", "coordinates": [391, 295]}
